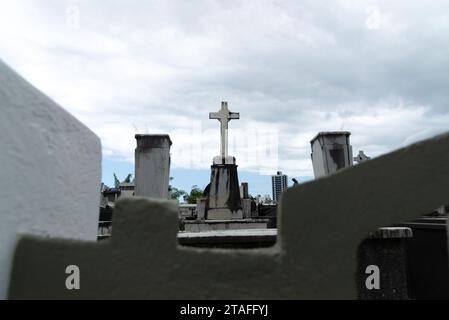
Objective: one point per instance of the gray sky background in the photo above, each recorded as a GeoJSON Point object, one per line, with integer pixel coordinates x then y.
{"type": "Point", "coordinates": [291, 68]}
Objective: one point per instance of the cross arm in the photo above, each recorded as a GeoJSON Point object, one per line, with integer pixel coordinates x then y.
{"type": "Point", "coordinates": [234, 115]}
{"type": "Point", "coordinates": [214, 115]}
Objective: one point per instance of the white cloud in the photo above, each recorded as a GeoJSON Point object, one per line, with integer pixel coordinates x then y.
{"type": "Point", "coordinates": [375, 68]}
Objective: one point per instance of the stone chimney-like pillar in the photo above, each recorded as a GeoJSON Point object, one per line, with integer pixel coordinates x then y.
{"type": "Point", "coordinates": [331, 151]}
{"type": "Point", "coordinates": [152, 165]}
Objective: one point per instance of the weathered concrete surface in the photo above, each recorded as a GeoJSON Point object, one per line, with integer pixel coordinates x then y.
{"type": "Point", "coordinates": [331, 151]}
{"type": "Point", "coordinates": [152, 165]}
{"type": "Point", "coordinates": [223, 193]}
{"type": "Point", "coordinates": [390, 256]}
{"type": "Point", "coordinates": [245, 238]}
{"type": "Point", "coordinates": [209, 225]}
{"type": "Point", "coordinates": [385, 248]}
{"type": "Point", "coordinates": [429, 277]}
{"type": "Point", "coordinates": [50, 168]}
{"type": "Point", "coordinates": [322, 223]}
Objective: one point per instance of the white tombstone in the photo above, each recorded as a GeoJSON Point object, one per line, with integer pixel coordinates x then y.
{"type": "Point", "coordinates": [50, 166]}
{"type": "Point", "coordinates": [331, 151]}
{"type": "Point", "coordinates": [152, 165]}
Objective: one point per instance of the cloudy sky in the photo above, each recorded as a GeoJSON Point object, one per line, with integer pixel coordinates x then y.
{"type": "Point", "coordinates": [379, 69]}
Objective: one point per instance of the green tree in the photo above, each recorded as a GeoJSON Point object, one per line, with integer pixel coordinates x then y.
{"type": "Point", "coordinates": [175, 193]}
{"type": "Point", "coordinates": [116, 181]}
{"type": "Point", "coordinates": [193, 195]}
{"type": "Point", "coordinates": [128, 178]}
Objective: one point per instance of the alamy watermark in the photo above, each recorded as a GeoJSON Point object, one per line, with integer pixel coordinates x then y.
{"type": "Point", "coordinates": [373, 280]}
{"type": "Point", "coordinates": [255, 146]}
{"type": "Point", "coordinates": [72, 282]}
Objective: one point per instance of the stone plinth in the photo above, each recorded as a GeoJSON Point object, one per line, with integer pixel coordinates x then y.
{"type": "Point", "coordinates": [236, 239]}
{"type": "Point", "coordinates": [152, 165]}
{"type": "Point", "coordinates": [223, 198]}
{"type": "Point", "coordinates": [211, 225]}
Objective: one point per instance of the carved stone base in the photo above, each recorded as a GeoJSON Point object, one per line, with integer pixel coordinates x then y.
{"type": "Point", "coordinates": [224, 214]}
{"type": "Point", "coordinates": [223, 192]}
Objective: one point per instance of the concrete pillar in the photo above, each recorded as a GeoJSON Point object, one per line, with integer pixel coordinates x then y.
{"type": "Point", "coordinates": [201, 208]}
{"type": "Point", "coordinates": [246, 208]}
{"type": "Point", "coordinates": [244, 194]}
{"type": "Point", "coordinates": [331, 151]}
{"type": "Point", "coordinates": [152, 165]}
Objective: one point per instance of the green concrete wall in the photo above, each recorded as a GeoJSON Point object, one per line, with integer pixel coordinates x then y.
{"type": "Point", "coordinates": [321, 224]}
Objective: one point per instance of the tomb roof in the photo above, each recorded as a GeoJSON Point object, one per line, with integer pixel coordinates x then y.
{"type": "Point", "coordinates": [331, 133]}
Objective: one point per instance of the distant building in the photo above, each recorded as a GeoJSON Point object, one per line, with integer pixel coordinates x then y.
{"type": "Point", "coordinates": [266, 199]}
{"type": "Point", "coordinates": [279, 184]}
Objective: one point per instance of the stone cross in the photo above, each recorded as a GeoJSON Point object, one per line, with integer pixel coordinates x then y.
{"type": "Point", "coordinates": [224, 116]}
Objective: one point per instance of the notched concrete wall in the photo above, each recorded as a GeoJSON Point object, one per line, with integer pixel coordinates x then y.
{"type": "Point", "coordinates": [322, 223]}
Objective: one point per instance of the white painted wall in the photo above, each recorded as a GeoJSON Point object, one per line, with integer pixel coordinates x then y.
{"type": "Point", "coordinates": [50, 166]}
{"type": "Point", "coordinates": [318, 159]}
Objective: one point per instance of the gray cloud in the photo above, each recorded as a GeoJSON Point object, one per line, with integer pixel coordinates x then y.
{"type": "Point", "coordinates": [376, 68]}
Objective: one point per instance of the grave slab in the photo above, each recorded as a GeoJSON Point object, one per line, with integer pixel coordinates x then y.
{"type": "Point", "coordinates": [232, 224]}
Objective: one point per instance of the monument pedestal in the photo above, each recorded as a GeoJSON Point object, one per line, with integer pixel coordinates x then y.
{"type": "Point", "coordinates": [223, 199]}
